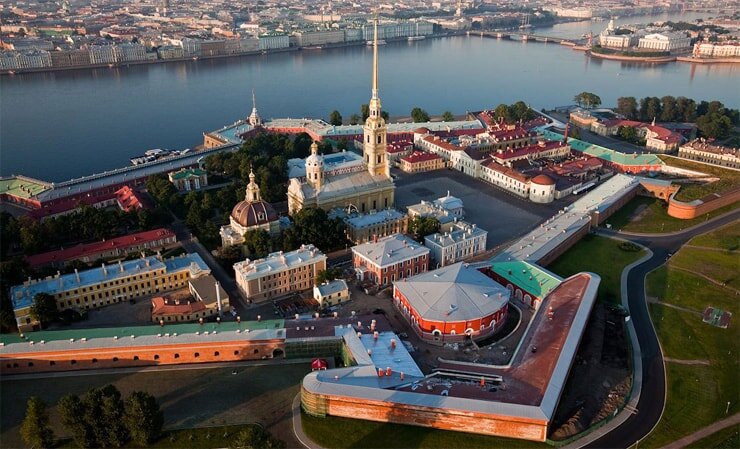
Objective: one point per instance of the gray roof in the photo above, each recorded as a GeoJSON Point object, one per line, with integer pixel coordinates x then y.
{"type": "Point", "coordinates": [454, 293]}
{"type": "Point", "coordinates": [390, 250]}
{"type": "Point", "coordinates": [347, 184]}
{"type": "Point", "coordinates": [205, 286]}
{"type": "Point", "coordinates": [329, 288]}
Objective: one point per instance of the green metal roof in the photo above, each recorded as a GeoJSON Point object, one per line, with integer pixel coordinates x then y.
{"type": "Point", "coordinates": [139, 331]}
{"type": "Point", "coordinates": [532, 278]}
{"type": "Point", "coordinates": [188, 173]}
{"type": "Point", "coordinates": [605, 153]}
{"type": "Point", "coordinates": [21, 187]}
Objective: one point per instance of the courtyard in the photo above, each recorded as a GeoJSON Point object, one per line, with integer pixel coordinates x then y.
{"type": "Point", "coordinates": [504, 215]}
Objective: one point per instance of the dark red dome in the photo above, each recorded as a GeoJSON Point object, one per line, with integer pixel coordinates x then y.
{"type": "Point", "coordinates": [253, 214]}
{"type": "Point", "coordinates": [543, 180]}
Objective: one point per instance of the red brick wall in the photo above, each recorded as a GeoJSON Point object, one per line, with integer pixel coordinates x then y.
{"type": "Point", "coordinates": [438, 418]}
{"type": "Point", "coordinates": [687, 211]}
{"type": "Point", "coordinates": [116, 357]}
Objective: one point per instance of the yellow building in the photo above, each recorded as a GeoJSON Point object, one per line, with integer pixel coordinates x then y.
{"type": "Point", "coordinates": [366, 190]}
{"type": "Point", "coordinates": [108, 284]}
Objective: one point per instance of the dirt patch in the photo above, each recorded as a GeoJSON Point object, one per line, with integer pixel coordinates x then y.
{"type": "Point", "coordinates": [600, 378]}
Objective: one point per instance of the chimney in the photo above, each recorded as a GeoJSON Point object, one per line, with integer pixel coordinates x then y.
{"type": "Point", "coordinates": [105, 271]}
{"type": "Point", "coordinates": [120, 266]}
{"type": "Point", "coordinates": [77, 275]}
{"type": "Point", "coordinates": [218, 297]}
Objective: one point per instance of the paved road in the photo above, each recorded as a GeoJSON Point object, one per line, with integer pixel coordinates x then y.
{"type": "Point", "coordinates": [191, 245]}
{"type": "Point", "coordinates": [652, 398]}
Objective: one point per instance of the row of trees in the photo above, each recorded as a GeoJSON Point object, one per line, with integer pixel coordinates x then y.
{"type": "Point", "coordinates": [89, 223]}
{"type": "Point", "coordinates": [418, 115]}
{"type": "Point", "coordinates": [712, 118]}
{"type": "Point", "coordinates": [101, 418]}
{"type": "Point", "coordinates": [513, 113]}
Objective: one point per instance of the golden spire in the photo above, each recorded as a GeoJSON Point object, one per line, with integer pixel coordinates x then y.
{"type": "Point", "coordinates": [375, 58]}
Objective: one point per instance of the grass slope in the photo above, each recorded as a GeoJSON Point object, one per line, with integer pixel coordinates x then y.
{"type": "Point", "coordinates": [697, 394]}
{"type": "Point", "coordinates": [729, 179]}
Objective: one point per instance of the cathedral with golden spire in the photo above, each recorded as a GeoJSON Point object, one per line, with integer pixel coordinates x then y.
{"type": "Point", "coordinates": [365, 190]}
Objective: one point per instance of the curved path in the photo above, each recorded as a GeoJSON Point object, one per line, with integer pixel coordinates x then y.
{"type": "Point", "coordinates": [649, 409]}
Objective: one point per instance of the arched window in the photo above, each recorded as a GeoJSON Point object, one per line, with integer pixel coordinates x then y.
{"type": "Point", "coordinates": [177, 356]}
{"type": "Point", "coordinates": [156, 357]}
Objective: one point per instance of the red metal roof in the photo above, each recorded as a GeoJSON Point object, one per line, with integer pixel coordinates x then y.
{"type": "Point", "coordinates": [420, 156]}
{"type": "Point", "coordinates": [91, 249]}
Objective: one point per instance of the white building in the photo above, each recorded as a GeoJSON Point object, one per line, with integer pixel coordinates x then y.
{"type": "Point", "coordinates": [716, 50]}
{"type": "Point", "coordinates": [702, 151]}
{"type": "Point", "coordinates": [463, 241]}
{"type": "Point", "coordinates": [665, 42]}
{"type": "Point", "coordinates": [272, 41]}
{"type": "Point", "coordinates": [103, 54]}
{"type": "Point", "coordinates": [130, 51]}
{"type": "Point", "coordinates": [322, 37]}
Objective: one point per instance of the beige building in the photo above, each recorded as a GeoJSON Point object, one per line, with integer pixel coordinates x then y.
{"type": "Point", "coordinates": [419, 161]}
{"type": "Point", "coordinates": [702, 151]}
{"type": "Point", "coordinates": [279, 274]}
{"type": "Point", "coordinates": [331, 293]}
{"type": "Point", "coordinates": [665, 42]}
{"type": "Point", "coordinates": [365, 190]}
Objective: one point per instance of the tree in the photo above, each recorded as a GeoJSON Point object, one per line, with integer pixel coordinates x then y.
{"type": "Point", "coordinates": [253, 437]}
{"type": "Point", "coordinates": [258, 243]}
{"type": "Point", "coordinates": [364, 111]}
{"type": "Point", "coordinates": [354, 119]}
{"type": "Point", "coordinates": [447, 116]}
{"type": "Point", "coordinates": [385, 115]}
{"type": "Point", "coordinates": [420, 227]}
{"type": "Point", "coordinates": [419, 115]}
{"type": "Point", "coordinates": [103, 412]}
{"type": "Point", "coordinates": [520, 111]}
{"type": "Point", "coordinates": [35, 429]}
{"type": "Point", "coordinates": [649, 108]}
{"type": "Point", "coordinates": [628, 133]}
{"type": "Point", "coordinates": [44, 308]}
{"type": "Point", "coordinates": [627, 107]}
{"type": "Point", "coordinates": [71, 412]}
{"type": "Point", "coordinates": [143, 418]}
{"type": "Point", "coordinates": [503, 111]}
{"type": "Point", "coordinates": [328, 275]}
{"type": "Point", "coordinates": [714, 125]}
{"type": "Point", "coordinates": [669, 109]}
{"type": "Point", "coordinates": [587, 100]}
{"type": "Point", "coordinates": [335, 118]}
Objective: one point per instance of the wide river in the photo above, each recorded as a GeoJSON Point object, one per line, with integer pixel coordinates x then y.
{"type": "Point", "coordinates": [55, 126]}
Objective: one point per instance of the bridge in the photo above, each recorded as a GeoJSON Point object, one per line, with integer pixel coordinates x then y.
{"type": "Point", "coordinates": [526, 37]}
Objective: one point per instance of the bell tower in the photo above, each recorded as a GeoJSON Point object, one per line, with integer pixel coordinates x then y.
{"type": "Point", "coordinates": [253, 190]}
{"type": "Point", "coordinates": [374, 144]}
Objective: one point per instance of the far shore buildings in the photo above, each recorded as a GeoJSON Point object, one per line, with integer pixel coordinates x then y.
{"type": "Point", "coordinates": [251, 214]}
{"type": "Point", "coordinates": [280, 273]}
{"type": "Point", "coordinates": [108, 284]}
{"type": "Point", "coordinates": [365, 190]}
{"type": "Point", "coordinates": [702, 151]}
{"type": "Point", "coordinates": [384, 260]}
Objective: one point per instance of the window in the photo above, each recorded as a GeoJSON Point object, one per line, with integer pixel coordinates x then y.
{"type": "Point", "coordinates": [156, 357]}
{"type": "Point", "coordinates": [136, 357]}
{"type": "Point", "coordinates": [177, 356]}
{"type": "Point", "coordinates": [115, 359]}
{"type": "Point", "coordinates": [52, 363]}
{"type": "Point", "coordinates": [216, 354]}
{"type": "Point", "coordinates": [236, 352]}
{"type": "Point", "coordinates": [73, 362]}
{"type": "Point", "coordinates": [197, 354]}
{"type": "Point", "coordinates": [95, 360]}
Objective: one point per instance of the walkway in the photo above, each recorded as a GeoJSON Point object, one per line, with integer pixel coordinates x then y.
{"type": "Point", "coordinates": [705, 432]}
{"type": "Point", "coordinates": [706, 278]}
{"type": "Point", "coordinates": [708, 248]}
{"type": "Point", "coordinates": [652, 300]}
{"type": "Point", "coordinates": [686, 362]}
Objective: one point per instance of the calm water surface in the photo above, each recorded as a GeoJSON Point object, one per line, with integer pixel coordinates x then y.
{"type": "Point", "coordinates": [61, 125]}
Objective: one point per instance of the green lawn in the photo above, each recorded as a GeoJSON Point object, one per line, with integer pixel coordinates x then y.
{"type": "Point", "coordinates": [339, 433]}
{"type": "Point", "coordinates": [650, 215]}
{"type": "Point", "coordinates": [727, 238]}
{"type": "Point", "coordinates": [697, 394]}
{"type": "Point", "coordinates": [204, 438]}
{"type": "Point", "coordinates": [728, 438]}
{"type": "Point", "coordinates": [728, 179]}
{"type": "Point", "coordinates": [589, 255]}
{"type": "Point", "coordinates": [687, 290]}
{"type": "Point", "coordinates": [720, 266]}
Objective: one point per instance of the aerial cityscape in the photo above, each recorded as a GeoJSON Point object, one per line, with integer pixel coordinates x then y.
{"type": "Point", "coordinates": [450, 224]}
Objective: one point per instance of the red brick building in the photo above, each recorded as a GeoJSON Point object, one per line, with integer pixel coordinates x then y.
{"type": "Point", "coordinates": [385, 260]}
{"type": "Point", "coordinates": [452, 302]}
